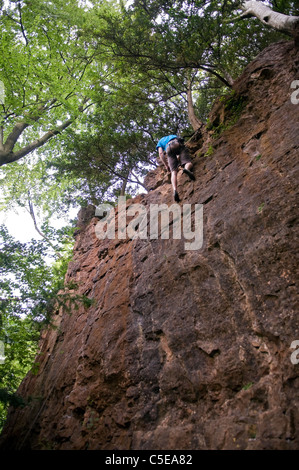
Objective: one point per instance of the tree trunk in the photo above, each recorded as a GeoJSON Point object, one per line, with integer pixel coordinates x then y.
{"type": "Point", "coordinates": [228, 78]}
{"type": "Point", "coordinates": [124, 184]}
{"type": "Point", "coordinates": [285, 23]}
{"type": "Point", "coordinates": [194, 120]}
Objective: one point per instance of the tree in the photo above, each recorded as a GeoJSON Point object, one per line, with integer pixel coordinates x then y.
{"type": "Point", "coordinates": [185, 34]}
{"type": "Point", "coordinates": [130, 66]}
{"type": "Point", "coordinates": [20, 340]}
{"type": "Point", "coordinates": [31, 288]}
{"type": "Point", "coordinates": [43, 66]}
{"type": "Point", "coordinates": [28, 286]}
{"type": "Point", "coordinates": [162, 35]}
{"type": "Point", "coordinates": [116, 148]}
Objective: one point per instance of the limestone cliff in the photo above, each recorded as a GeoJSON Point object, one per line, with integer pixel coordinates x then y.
{"type": "Point", "coordinates": [187, 349]}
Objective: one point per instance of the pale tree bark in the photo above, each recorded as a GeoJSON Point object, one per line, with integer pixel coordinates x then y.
{"type": "Point", "coordinates": [194, 120]}
{"type": "Point", "coordinates": [287, 24]}
{"type": "Point", "coordinates": [228, 78]}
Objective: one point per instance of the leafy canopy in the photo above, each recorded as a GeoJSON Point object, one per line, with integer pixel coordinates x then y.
{"type": "Point", "coordinates": [44, 64]}
{"type": "Point", "coordinates": [112, 60]}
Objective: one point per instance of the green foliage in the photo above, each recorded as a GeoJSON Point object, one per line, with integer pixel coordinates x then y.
{"type": "Point", "coordinates": [43, 62]}
{"type": "Point", "coordinates": [31, 289]}
{"type": "Point", "coordinates": [247, 386]}
{"type": "Point", "coordinates": [128, 67]}
{"type": "Point", "coordinates": [210, 151]}
{"type": "Point", "coordinates": [119, 139]}
{"type": "Point", "coordinates": [287, 7]}
{"type": "Point", "coordinates": [172, 36]}
{"type": "Point", "coordinates": [25, 269]}
{"type": "Point", "coordinates": [261, 207]}
{"type": "Point", "coordinates": [233, 107]}
{"type": "Point", "coordinates": [20, 338]}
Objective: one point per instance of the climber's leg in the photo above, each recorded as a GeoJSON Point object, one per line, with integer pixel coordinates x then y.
{"type": "Point", "coordinates": [185, 160]}
{"type": "Point", "coordinates": [173, 165]}
{"type": "Point", "coordinates": [187, 171]}
{"type": "Point", "coordinates": [174, 183]}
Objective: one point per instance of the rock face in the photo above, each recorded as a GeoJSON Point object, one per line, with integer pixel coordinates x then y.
{"type": "Point", "coordinates": [187, 348]}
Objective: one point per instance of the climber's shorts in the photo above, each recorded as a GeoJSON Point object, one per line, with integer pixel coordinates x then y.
{"type": "Point", "coordinates": [177, 154]}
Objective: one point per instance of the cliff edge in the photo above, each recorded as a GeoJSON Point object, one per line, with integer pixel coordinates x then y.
{"type": "Point", "coordinates": [187, 348]}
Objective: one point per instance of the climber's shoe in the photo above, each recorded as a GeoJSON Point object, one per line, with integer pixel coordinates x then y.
{"type": "Point", "coordinates": [176, 196]}
{"type": "Point", "coordinates": [189, 173]}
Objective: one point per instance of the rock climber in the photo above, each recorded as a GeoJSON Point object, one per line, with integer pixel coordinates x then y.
{"type": "Point", "coordinates": [177, 155]}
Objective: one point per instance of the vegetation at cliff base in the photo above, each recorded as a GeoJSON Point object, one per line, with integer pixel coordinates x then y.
{"type": "Point", "coordinates": [31, 286]}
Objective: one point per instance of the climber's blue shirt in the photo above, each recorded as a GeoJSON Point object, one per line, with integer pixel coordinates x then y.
{"type": "Point", "coordinates": [164, 141]}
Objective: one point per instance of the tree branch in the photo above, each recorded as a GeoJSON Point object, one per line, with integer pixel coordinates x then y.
{"type": "Point", "coordinates": [21, 24]}
{"type": "Point", "coordinates": [222, 79]}
{"type": "Point", "coordinates": [129, 180]}
{"type": "Point", "coordinates": [14, 156]}
{"type": "Point", "coordinates": [31, 212]}
{"type": "Point", "coordinates": [22, 125]}
{"type": "Point", "coordinates": [287, 24]}
{"type": "Point", "coordinates": [14, 136]}
{"type": "Point", "coordinates": [137, 181]}
{"type": "Point", "coordinates": [8, 156]}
